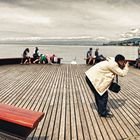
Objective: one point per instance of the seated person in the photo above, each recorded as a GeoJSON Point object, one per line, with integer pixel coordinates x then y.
{"type": "Point", "coordinates": [36, 55]}
{"type": "Point", "coordinates": [55, 59]}
{"type": "Point", "coordinates": [43, 59]}
{"type": "Point", "coordinates": [48, 56]}
{"type": "Point", "coordinates": [98, 58]}
{"type": "Point", "coordinates": [137, 65]}
{"type": "Point", "coordinates": [26, 58]}
{"type": "Point", "coordinates": [90, 59]}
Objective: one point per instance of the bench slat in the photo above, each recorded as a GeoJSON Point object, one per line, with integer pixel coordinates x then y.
{"type": "Point", "coordinates": [20, 116]}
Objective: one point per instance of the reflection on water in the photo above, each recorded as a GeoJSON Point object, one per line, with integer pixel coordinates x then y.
{"type": "Point", "coordinates": [68, 53]}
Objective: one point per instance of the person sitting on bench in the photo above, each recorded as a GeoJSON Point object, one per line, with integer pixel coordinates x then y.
{"type": "Point", "coordinates": [36, 55]}
{"type": "Point", "coordinates": [90, 59]}
{"type": "Point", "coordinates": [55, 59]}
{"type": "Point", "coordinates": [26, 58]}
{"type": "Point", "coordinates": [99, 58]}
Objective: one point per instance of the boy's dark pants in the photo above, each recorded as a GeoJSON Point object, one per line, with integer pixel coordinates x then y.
{"type": "Point", "coordinates": [101, 101]}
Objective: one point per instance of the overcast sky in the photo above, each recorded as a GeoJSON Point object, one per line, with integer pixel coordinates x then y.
{"type": "Point", "coordinates": [69, 18]}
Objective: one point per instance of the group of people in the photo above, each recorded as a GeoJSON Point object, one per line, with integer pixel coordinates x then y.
{"type": "Point", "coordinates": [93, 59]}
{"type": "Point", "coordinates": [99, 77]}
{"type": "Point", "coordinates": [39, 58]}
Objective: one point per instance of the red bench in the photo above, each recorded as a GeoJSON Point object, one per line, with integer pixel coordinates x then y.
{"type": "Point", "coordinates": [17, 122]}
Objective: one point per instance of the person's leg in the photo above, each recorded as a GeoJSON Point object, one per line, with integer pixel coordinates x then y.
{"type": "Point", "coordinates": [102, 103]}
{"type": "Point", "coordinates": [93, 91]}
{"type": "Point", "coordinates": [87, 61]}
{"type": "Point", "coordinates": [90, 59]}
{"type": "Point", "coordinates": [93, 61]}
{"type": "Point", "coordinates": [35, 61]}
{"type": "Point", "coordinates": [29, 59]}
{"type": "Point", "coordinates": [26, 61]}
{"type": "Point", "coordinates": [22, 60]}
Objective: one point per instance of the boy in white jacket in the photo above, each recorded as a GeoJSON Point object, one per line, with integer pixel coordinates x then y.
{"type": "Point", "coordinates": [99, 78]}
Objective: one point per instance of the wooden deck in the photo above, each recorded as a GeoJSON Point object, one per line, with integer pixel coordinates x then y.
{"type": "Point", "coordinates": [70, 113]}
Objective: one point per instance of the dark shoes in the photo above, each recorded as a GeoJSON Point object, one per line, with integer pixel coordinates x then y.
{"type": "Point", "coordinates": [108, 115]}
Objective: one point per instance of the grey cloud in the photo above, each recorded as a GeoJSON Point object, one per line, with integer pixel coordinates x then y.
{"type": "Point", "coordinates": [51, 3]}
{"type": "Point", "coordinates": [12, 34]}
{"type": "Point", "coordinates": [69, 17]}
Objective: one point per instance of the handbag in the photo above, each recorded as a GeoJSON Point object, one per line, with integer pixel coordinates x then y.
{"type": "Point", "coordinates": [115, 87]}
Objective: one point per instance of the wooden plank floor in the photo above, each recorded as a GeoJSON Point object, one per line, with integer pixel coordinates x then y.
{"type": "Point", "coordinates": [70, 112]}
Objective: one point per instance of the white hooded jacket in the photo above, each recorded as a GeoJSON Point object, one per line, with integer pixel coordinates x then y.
{"type": "Point", "coordinates": [102, 74]}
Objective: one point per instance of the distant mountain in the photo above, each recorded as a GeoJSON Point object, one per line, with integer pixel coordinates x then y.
{"type": "Point", "coordinates": [135, 41]}
{"type": "Point", "coordinates": [127, 42]}
{"type": "Point", "coordinates": [70, 41]}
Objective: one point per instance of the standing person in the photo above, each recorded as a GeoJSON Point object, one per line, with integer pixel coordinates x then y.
{"type": "Point", "coordinates": [90, 59]}
{"type": "Point", "coordinates": [26, 58]}
{"type": "Point", "coordinates": [99, 78]}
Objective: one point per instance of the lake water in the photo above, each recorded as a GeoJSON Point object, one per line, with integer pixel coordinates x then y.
{"type": "Point", "coordinates": [68, 53]}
